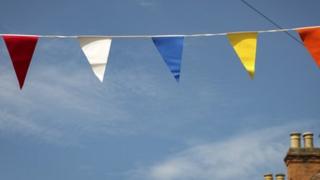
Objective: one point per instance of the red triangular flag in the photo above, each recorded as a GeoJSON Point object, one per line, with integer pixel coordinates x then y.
{"type": "Point", "coordinates": [21, 49]}
{"type": "Point", "coordinates": [311, 40]}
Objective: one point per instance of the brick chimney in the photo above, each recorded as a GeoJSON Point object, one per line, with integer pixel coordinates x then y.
{"type": "Point", "coordinates": [303, 163]}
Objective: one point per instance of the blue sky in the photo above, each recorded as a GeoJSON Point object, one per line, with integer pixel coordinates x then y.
{"type": "Point", "coordinates": [140, 124]}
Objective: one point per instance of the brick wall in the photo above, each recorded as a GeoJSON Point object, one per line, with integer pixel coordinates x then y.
{"type": "Point", "coordinates": [303, 170]}
{"type": "Point", "coordinates": [303, 163]}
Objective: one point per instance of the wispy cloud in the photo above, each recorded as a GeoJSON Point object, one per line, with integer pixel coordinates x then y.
{"type": "Point", "coordinates": [59, 102]}
{"type": "Point", "coordinates": [242, 157]}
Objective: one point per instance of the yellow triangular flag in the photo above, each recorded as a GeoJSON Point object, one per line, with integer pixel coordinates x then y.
{"type": "Point", "coordinates": [245, 45]}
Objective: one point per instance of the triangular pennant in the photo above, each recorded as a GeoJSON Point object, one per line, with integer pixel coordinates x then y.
{"type": "Point", "coordinates": [311, 40]}
{"type": "Point", "coordinates": [245, 45]}
{"type": "Point", "coordinates": [170, 49]}
{"type": "Point", "coordinates": [96, 50]}
{"type": "Point", "coordinates": [21, 50]}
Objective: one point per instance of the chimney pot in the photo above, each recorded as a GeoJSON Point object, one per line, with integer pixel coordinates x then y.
{"type": "Point", "coordinates": [268, 177]}
{"type": "Point", "coordinates": [308, 139]}
{"type": "Point", "coordinates": [295, 138]}
{"type": "Point", "coordinates": [280, 176]}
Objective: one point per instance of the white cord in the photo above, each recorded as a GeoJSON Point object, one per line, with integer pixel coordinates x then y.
{"type": "Point", "coordinates": [166, 35]}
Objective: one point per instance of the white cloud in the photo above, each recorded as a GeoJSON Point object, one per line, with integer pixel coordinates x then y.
{"type": "Point", "coordinates": [247, 156]}
{"type": "Point", "coordinates": [18, 125]}
{"type": "Point", "coordinates": [59, 103]}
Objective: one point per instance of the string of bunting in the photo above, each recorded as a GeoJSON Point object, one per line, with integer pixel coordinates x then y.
{"type": "Point", "coordinates": [96, 48]}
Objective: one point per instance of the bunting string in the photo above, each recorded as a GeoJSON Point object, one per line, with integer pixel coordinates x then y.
{"type": "Point", "coordinates": [164, 35]}
{"type": "Point", "coordinates": [96, 48]}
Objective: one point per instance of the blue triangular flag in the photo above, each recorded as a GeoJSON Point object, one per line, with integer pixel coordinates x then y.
{"type": "Point", "coordinates": [170, 49]}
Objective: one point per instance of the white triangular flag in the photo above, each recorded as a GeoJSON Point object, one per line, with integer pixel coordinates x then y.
{"type": "Point", "coordinates": [97, 51]}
